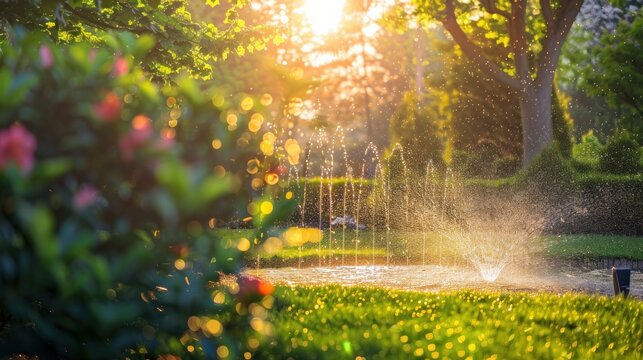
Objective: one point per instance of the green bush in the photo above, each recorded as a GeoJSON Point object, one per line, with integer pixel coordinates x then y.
{"type": "Point", "coordinates": [549, 174]}
{"type": "Point", "coordinates": [504, 167]}
{"type": "Point", "coordinates": [415, 128]}
{"type": "Point", "coordinates": [610, 204]}
{"type": "Point", "coordinates": [485, 163]}
{"type": "Point", "coordinates": [468, 164]}
{"type": "Point", "coordinates": [107, 200]}
{"type": "Point", "coordinates": [621, 155]}
{"type": "Point", "coordinates": [587, 152]}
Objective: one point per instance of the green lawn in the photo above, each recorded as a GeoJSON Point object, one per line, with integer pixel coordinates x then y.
{"type": "Point", "coordinates": [314, 252]}
{"type": "Point", "coordinates": [594, 246]}
{"type": "Point", "coordinates": [553, 246]}
{"type": "Point", "coordinates": [334, 322]}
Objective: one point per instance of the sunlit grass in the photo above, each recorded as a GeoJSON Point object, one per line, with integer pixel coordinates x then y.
{"type": "Point", "coordinates": [553, 246]}
{"type": "Point", "coordinates": [334, 322]}
{"type": "Point", "coordinates": [293, 253]}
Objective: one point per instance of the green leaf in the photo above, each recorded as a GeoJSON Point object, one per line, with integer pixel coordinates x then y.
{"type": "Point", "coordinates": [49, 170]}
{"type": "Point", "coordinates": [144, 44]}
{"type": "Point", "coordinates": [14, 88]}
{"type": "Point", "coordinates": [212, 3]}
{"type": "Point", "coordinates": [190, 90]}
{"type": "Point", "coordinates": [278, 40]}
{"type": "Point", "coordinates": [213, 188]}
{"type": "Point", "coordinates": [281, 208]}
{"type": "Point", "coordinates": [40, 223]}
{"type": "Point", "coordinates": [175, 177]}
{"type": "Point", "coordinates": [148, 90]}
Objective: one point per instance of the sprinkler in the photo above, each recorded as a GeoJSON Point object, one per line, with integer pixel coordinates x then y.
{"type": "Point", "coordinates": [621, 281]}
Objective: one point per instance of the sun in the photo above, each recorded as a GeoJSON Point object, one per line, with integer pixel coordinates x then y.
{"type": "Point", "coordinates": [324, 15]}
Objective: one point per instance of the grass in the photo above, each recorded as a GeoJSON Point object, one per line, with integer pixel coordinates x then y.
{"type": "Point", "coordinates": [554, 246]}
{"type": "Point", "coordinates": [294, 253]}
{"type": "Point", "coordinates": [594, 246]}
{"type": "Point", "coordinates": [334, 322]}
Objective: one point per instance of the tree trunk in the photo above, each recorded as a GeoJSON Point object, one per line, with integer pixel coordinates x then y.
{"type": "Point", "coordinates": [535, 113]}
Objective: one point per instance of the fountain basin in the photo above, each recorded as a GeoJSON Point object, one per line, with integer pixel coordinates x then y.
{"type": "Point", "coordinates": [436, 278]}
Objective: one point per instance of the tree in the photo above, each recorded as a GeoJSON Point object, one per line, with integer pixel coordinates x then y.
{"type": "Point", "coordinates": [618, 75]}
{"type": "Point", "coordinates": [534, 54]}
{"type": "Point", "coordinates": [184, 43]}
{"type": "Point", "coordinates": [580, 63]}
{"type": "Point", "coordinates": [358, 75]}
{"type": "Point", "coordinates": [415, 128]}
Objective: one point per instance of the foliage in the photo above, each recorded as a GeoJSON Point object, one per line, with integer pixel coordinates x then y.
{"type": "Point", "coordinates": [109, 190]}
{"type": "Point", "coordinates": [335, 322]}
{"type": "Point", "coordinates": [484, 163]}
{"type": "Point", "coordinates": [486, 116]}
{"type": "Point", "coordinates": [560, 246]}
{"type": "Point", "coordinates": [562, 122]}
{"type": "Point", "coordinates": [588, 150]}
{"type": "Point", "coordinates": [480, 117]}
{"type": "Point", "coordinates": [506, 166]}
{"type": "Point", "coordinates": [342, 188]}
{"type": "Point", "coordinates": [616, 74]}
{"type": "Point", "coordinates": [415, 127]}
{"type": "Point", "coordinates": [621, 155]}
{"type": "Point", "coordinates": [185, 42]}
{"type": "Point", "coordinates": [591, 202]}
{"type": "Point", "coordinates": [579, 63]}
{"type": "Point", "coordinates": [531, 35]}
{"type": "Point", "coordinates": [549, 174]}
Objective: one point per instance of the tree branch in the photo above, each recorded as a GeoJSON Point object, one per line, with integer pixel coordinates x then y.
{"type": "Point", "coordinates": [98, 22]}
{"type": "Point", "coordinates": [490, 6]}
{"type": "Point", "coordinates": [473, 51]}
{"type": "Point", "coordinates": [553, 42]}
{"type": "Point", "coordinates": [545, 9]}
{"type": "Point", "coordinates": [517, 36]}
{"type": "Point", "coordinates": [630, 100]}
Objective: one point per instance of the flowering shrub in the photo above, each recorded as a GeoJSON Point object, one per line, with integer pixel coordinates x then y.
{"type": "Point", "coordinates": [252, 289]}
{"type": "Point", "coordinates": [109, 191]}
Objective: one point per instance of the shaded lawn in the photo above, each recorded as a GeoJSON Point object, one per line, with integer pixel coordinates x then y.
{"type": "Point", "coordinates": [594, 246]}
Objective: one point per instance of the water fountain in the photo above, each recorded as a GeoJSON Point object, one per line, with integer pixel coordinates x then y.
{"type": "Point", "coordinates": [439, 212]}
{"type": "Point", "coordinates": [433, 234]}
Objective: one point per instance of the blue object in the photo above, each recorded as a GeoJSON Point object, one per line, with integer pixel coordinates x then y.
{"type": "Point", "coordinates": [621, 281]}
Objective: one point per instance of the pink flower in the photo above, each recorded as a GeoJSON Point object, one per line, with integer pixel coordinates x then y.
{"type": "Point", "coordinates": [109, 109]}
{"type": "Point", "coordinates": [85, 197]}
{"type": "Point", "coordinates": [120, 67]}
{"type": "Point", "coordinates": [166, 141]}
{"type": "Point", "coordinates": [46, 56]}
{"type": "Point", "coordinates": [252, 289]}
{"type": "Point", "coordinates": [136, 138]}
{"type": "Point", "coordinates": [17, 145]}
{"type": "Point", "coordinates": [91, 55]}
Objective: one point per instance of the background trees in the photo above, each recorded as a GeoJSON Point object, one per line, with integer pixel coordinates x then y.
{"type": "Point", "coordinates": [533, 51]}
{"type": "Point", "coordinates": [617, 75]}
{"type": "Point", "coordinates": [582, 74]}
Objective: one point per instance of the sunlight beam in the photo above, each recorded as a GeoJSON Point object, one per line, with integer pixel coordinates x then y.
{"type": "Point", "coordinates": [324, 16]}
